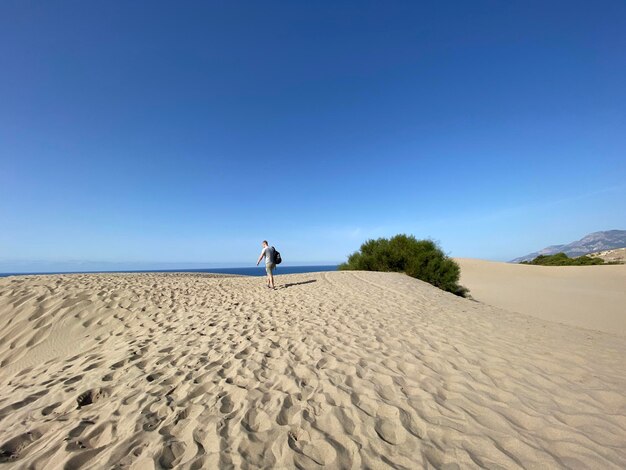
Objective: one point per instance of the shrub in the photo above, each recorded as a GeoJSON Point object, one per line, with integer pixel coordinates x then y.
{"type": "Point", "coordinates": [421, 259]}
{"type": "Point", "coordinates": [561, 259]}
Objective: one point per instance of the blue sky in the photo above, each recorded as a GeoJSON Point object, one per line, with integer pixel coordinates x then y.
{"type": "Point", "coordinates": [161, 132]}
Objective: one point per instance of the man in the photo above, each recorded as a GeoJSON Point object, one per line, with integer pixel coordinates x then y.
{"type": "Point", "coordinates": [269, 253]}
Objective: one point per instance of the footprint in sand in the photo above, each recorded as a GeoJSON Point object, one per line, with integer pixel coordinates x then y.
{"type": "Point", "coordinates": [16, 447]}
{"type": "Point", "coordinates": [91, 396]}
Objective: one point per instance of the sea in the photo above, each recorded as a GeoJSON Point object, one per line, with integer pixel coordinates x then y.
{"type": "Point", "coordinates": [247, 271]}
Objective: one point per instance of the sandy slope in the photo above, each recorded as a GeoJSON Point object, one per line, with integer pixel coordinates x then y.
{"type": "Point", "coordinates": [588, 296]}
{"type": "Point", "coordinates": [617, 255]}
{"type": "Point", "coordinates": [343, 370]}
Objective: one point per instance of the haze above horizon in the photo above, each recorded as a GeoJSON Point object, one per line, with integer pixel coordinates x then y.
{"type": "Point", "coordinates": [149, 132]}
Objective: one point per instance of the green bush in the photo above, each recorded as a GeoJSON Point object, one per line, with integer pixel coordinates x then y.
{"type": "Point", "coordinates": [421, 259]}
{"type": "Point", "coordinates": [561, 259]}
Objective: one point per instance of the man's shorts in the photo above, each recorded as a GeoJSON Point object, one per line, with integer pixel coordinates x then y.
{"type": "Point", "coordinates": [269, 268]}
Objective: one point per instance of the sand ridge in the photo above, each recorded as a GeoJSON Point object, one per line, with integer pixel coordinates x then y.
{"type": "Point", "coordinates": [336, 370]}
{"type": "Point", "coordinates": [592, 297]}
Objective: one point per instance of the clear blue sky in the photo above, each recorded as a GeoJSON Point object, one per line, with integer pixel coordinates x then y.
{"type": "Point", "coordinates": [149, 132]}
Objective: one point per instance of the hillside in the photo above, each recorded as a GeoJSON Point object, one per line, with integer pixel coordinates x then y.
{"type": "Point", "coordinates": [617, 255]}
{"type": "Point", "coordinates": [597, 241]}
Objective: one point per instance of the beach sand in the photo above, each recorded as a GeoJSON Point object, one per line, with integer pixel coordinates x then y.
{"type": "Point", "coordinates": [336, 370]}
{"type": "Point", "coordinates": [592, 297]}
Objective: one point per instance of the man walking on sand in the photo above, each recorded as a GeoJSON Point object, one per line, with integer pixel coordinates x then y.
{"type": "Point", "coordinates": [270, 263]}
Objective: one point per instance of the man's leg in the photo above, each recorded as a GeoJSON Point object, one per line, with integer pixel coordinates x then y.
{"type": "Point", "coordinates": [271, 276]}
{"type": "Point", "coordinates": [268, 271]}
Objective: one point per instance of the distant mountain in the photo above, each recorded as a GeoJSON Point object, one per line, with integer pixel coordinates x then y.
{"type": "Point", "coordinates": [597, 241]}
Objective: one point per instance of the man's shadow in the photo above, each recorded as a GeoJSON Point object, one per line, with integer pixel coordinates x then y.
{"type": "Point", "coordinates": [284, 286]}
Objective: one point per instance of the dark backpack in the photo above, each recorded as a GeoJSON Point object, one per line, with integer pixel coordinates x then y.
{"type": "Point", "coordinates": [277, 257]}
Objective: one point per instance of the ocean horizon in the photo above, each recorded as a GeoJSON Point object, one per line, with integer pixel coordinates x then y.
{"type": "Point", "coordinates": [241, 271]}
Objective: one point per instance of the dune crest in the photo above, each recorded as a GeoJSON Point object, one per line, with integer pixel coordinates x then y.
{"type": "Point", "coordinates": [336, 370]}
{"type": "Point", "coordinates": [591, 297]}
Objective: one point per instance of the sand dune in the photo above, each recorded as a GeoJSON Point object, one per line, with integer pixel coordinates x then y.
{"type": "Point", "coordinates": [592, 297]}
{"type": "Point", "coordinates": [617, 255]}
{"type": "Point", "coordinates": [336, 370]}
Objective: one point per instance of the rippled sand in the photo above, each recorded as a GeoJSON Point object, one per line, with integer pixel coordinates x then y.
{"type": "Point", "coordinates": [341, 369]}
